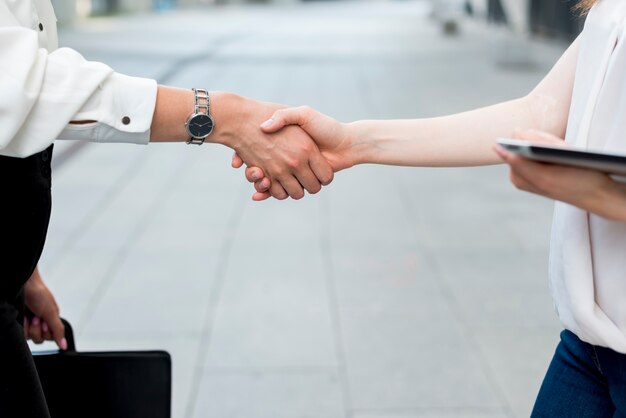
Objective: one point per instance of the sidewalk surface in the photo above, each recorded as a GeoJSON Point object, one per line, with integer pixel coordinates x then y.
{"type": "Point", "coordinates": [395, 293]}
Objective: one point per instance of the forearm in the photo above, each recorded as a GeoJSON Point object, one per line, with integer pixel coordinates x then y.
{"type": "Point", "coordinates": [173, 107]}
{"type": "Point", "coordinates": [34, 281]}
{"type": "Point", "coordinates": [463, 139]}
{"type": "Point", "coordinates": [229, 112]}
{"type": "Point", "coordinates": [466, 138]}
{"type": "Point", "coordinates": [609, 202]}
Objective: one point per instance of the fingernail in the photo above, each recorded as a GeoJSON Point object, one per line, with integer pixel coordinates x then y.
{"type": "Point", "coordinates": [44, 327]}
{"type": "Point", "coordinates": [63, 344]}
{"type": "Point", "coordinates": [267, 123]}
{"type": "Point", "coordinates": [35, 321]}
{"type": "Point", "coordinates": [254, 176]}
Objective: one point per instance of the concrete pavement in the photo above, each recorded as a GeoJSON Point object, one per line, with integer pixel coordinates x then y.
{"type": "Point", "coordinates": [395, 293]}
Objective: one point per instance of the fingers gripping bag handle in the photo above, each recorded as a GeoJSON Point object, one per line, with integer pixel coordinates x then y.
{"type": "Point", "coordinates": [69, 335]}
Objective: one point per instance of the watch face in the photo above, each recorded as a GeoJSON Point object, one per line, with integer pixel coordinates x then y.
{"type": "Point", "coordinates": [200, 126]}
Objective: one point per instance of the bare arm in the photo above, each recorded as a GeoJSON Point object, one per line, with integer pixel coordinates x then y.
{"type": "Point", "coordinates": [466, 139]}
{"type": "Point", "coordinates": [469, 139]}
{"type": "Point", "coordinates": [463, 139]}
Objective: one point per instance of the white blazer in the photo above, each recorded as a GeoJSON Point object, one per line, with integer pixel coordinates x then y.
{"type": "Point", "coordinates": [43, 88]}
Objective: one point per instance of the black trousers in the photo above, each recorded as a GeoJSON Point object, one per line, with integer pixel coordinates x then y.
{"type": "Point", "coordinates": [25, 204]}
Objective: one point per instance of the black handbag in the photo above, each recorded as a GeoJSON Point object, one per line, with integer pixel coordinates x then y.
{"type": "Point", "coordinates": [112, 384]}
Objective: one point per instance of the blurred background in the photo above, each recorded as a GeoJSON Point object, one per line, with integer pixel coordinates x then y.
{"type": "Point", "coordinates": [395, 292]}
{"type": "Point", "coordinates": [552, 17]}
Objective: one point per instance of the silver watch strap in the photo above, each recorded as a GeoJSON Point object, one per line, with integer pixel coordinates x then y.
{"type": "Point", "coordinates": [202, 106]}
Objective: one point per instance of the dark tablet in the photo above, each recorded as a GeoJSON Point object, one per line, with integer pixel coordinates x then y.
{"type": "Point", "coordinates": [606, 162]}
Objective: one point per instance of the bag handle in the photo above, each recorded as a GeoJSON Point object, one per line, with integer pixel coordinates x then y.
{"type": "Point", "coordinates": [69, 335]}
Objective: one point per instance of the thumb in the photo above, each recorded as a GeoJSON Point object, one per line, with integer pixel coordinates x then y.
{"type": "Point", "coordinates": [281, 118]}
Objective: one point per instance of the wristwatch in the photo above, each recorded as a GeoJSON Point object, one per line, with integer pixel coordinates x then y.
{"type": "Point", "coordinates": [200, 124]}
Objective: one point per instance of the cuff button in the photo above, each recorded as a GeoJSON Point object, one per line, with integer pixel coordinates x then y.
{"type": "Point", "coordinates": [126, 120]}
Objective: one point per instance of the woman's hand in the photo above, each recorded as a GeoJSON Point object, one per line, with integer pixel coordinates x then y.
{"type": "Point", "coordinates": [590, 190]}
{"type": "Point", "coordinates": [331, 137]}
{"type": "Point", "coordinates": [45, 324]}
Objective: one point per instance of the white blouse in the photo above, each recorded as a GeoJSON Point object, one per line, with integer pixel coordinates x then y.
{"type": "Point", "coordinates": [43, 88]}
{"type": "Point", "coordinates": [588, 254]}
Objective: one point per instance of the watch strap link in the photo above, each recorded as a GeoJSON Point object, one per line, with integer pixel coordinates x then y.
{"type": "Point", "coordinates": [202, 106]}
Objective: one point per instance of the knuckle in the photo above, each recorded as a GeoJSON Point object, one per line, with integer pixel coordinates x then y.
{"type": "Point", "coordinates": [278, 115]}
{"type": "Point", "coordinates": [278, 193]}
{"type": "Point", "coordinates": [309, 112]}
{"type": "Point", "coordinates": [293, 162]}
{"type": "Point", "coordinates": [308, 147]}
{"type": "Point", "coordinates": [280, 172]}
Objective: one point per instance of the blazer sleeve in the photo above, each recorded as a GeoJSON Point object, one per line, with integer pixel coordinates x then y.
{"type": "Point", "coordinates": [41, 92]}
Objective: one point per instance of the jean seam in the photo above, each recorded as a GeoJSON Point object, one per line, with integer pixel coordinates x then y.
{"type": "Point", "coordinates": [596, 359]}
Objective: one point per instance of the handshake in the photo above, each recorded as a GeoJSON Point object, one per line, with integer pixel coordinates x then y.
{"type": "Point", "coordinates": [287, 151]}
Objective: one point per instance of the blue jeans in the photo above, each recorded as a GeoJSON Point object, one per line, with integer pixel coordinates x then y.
{"type": "Point", "coordinates": [583, 381]}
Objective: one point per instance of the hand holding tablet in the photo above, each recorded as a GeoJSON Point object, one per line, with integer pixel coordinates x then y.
{"type": "Point", "coordinates": [606, 162]}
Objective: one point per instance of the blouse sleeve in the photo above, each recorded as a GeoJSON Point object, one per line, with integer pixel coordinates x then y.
{"type": "Point", "coordinates": [41, 92]}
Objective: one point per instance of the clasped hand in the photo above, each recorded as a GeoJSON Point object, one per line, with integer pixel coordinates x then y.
{"type": "Point", "coordinates": [325, 152]}
{"type": "Point", "coordinates": [289, 160]}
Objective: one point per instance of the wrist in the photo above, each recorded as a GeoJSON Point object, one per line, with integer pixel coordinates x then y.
{"type": "Point", "coordinates": [228, 111]}
{"type": "Point", "coordinates": [361, 149]}
{"type": "Point", "coordinates": [173, 107]}
{"type": "Point", "coordinates": [613, 201]}
{"type": "Point", "coordinates": [35, 281]}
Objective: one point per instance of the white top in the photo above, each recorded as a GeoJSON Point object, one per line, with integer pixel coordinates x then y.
{"type": "Point", "coordinates": [588, 254]}
{"type": "Point", "coordinates": [43, 88]}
